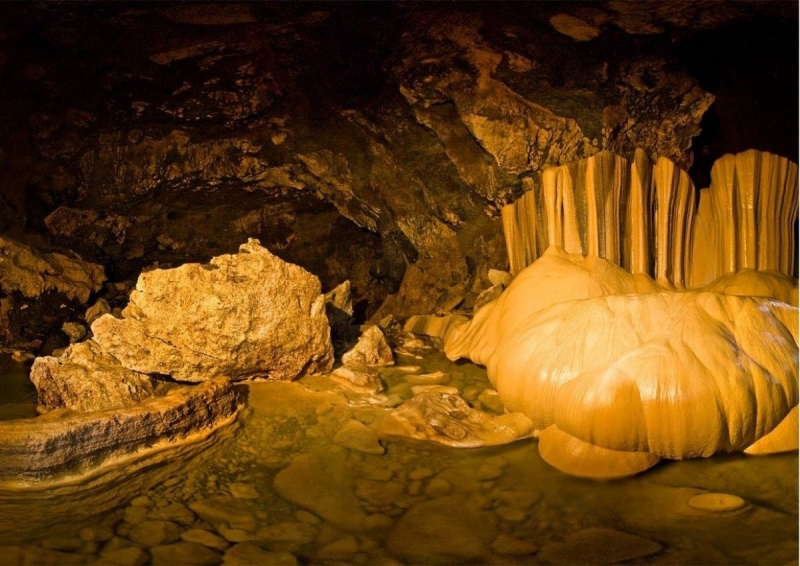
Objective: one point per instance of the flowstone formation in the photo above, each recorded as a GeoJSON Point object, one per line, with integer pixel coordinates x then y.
{"type": "Point", "coordinates": [616, 378]}
{"type": "Point", "coordinates": [615, 362]}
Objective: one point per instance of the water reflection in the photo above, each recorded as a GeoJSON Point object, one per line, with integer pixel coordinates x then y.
{"type": "Point", "coordinates": [334, 503]}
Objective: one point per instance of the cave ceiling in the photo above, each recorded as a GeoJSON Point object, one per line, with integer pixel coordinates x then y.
{"type": "Point", "coordinates": [375, 142]}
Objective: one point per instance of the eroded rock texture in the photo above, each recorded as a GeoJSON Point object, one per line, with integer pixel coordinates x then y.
{"type": "Point", "coordinates": [74, 442]}
{"type": "Point", "coordinates": [240, 316]}
{"type": "Point", "coordinates": [243, 316]}
{"type": "Point", "coordinates": [36, 288]}
{"type": "Point", "coordinates": [370, 142]}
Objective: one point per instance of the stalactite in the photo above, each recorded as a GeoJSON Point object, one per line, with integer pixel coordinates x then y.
{"type": "Point", "coordinates": [746, 217]}
{"type": "Point", "coordinates": [674, 222]}
{"type": "Point", "coordinates": [649, 219]}
{"type": "Point", "coordinates": [636, 215]}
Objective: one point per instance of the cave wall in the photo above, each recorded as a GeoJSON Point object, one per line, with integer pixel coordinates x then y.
{"type": "Point", "coordinates": [376, 142]}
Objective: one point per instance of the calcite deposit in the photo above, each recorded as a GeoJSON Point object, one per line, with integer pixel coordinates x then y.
{"type": "Point", "coordinates": [617, 372]}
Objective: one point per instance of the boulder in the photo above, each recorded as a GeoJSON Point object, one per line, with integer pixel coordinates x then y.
{"type": "Point", "coordinates": [85, 378]}
{"type": "Point", "coordinates": [359, 378]}
{"type": "Point", "coordinates": [248, 315]}
{"type": "Point", "coordinates": [371, 350]}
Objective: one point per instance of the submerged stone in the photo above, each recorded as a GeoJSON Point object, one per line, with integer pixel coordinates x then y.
{"type": "Point", "coordinates": [598, 546]}
{"type": "Point", "coordinates": [324, 485]}
{"type": "Point", "coordinates": [441, 531]}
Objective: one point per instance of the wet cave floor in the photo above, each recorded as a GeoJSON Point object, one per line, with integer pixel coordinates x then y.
{"type": "Point", "coordinates": [277, 487]}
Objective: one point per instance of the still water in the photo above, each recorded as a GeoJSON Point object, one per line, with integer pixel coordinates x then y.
{"type": "Point", "coordinates": [283, 487]}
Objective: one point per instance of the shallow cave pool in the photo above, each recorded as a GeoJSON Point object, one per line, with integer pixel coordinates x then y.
{"type": "Point", "coordinates": [284, 486]}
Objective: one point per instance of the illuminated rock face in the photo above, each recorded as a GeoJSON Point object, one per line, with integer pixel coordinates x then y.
{"type": "Point", "coordinates": [242, 316]}
{"type": "Point", "coordinates": [617, 372]}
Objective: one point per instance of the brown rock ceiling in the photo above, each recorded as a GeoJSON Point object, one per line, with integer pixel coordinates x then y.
{"type": "Point", "coordinates": [374, 142]}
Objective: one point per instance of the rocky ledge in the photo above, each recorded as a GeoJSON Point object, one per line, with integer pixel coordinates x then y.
{"type": "Point", "coordinates": [71, 442]}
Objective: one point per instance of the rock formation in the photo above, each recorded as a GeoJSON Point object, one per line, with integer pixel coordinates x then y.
{"type": "Point", "coordinates": [746, 218]}
{"type": "Point", "coordinates": [38, 290]}
{"type": "Point", "coordinates": [642, 216]}
{"type": "Point", "coordinates": [242, 316]}
{"type": "Point", "coordinates": [74, 442]}
{"type": "Point", "coordinates": [371, 349]}
{"type": "Point", "coordinates": [637, 215]}
{"type": "Point", "coordinates": [618, 373]}
{"type": "Point", "coordinates": [385, 162]}
{"type": "Point", "coordinates": [86, 378]}
{"type": "Point", "coordinates": [32, 274]}
{"type": "Point", "coordinates": [439, 414]}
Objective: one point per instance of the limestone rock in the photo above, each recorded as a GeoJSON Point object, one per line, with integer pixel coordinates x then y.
{"type": "Point", "coordinates": [443, 531]}
{"type": "Point", "coordinates": [619, 197]}
{"type": "Point", "coordinates": [75, 331]}
{"type": "Point", "coordinates": [97, 310]}
{"type": "Point", "coordinates": [554, 278]}
{"type": "Point", "coordinates": [359, 378]}
{"type": "Point", "coordinates": [782, 438]}
{"type": "Point", "coordinates": [340, 298]}
{"type": "Point", "coordinates": [243, 316]}
{"type": "Point", "coordinates": [551, 364]}
{"type": "Point", "coordinates": [85, 378]}
{"type": "Point", "coordinates": [497, 277]}
{"type": "Point", "coordinates": [444, 417]}
{"type": "Point", "coordinates": [69, 443]}
{"type": "Point", "coordinates": [371, 350]}
{"type": "Point", "coordinates": [717, 502]}
{"type": "Point", "coordinates": [681, 343]}
{"type": "Point", "coordinates": [745, 217]}
{"type": "Point", "coordinates": [32, 273]}
{"type": "Point", "coordinates": [598, 546]}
